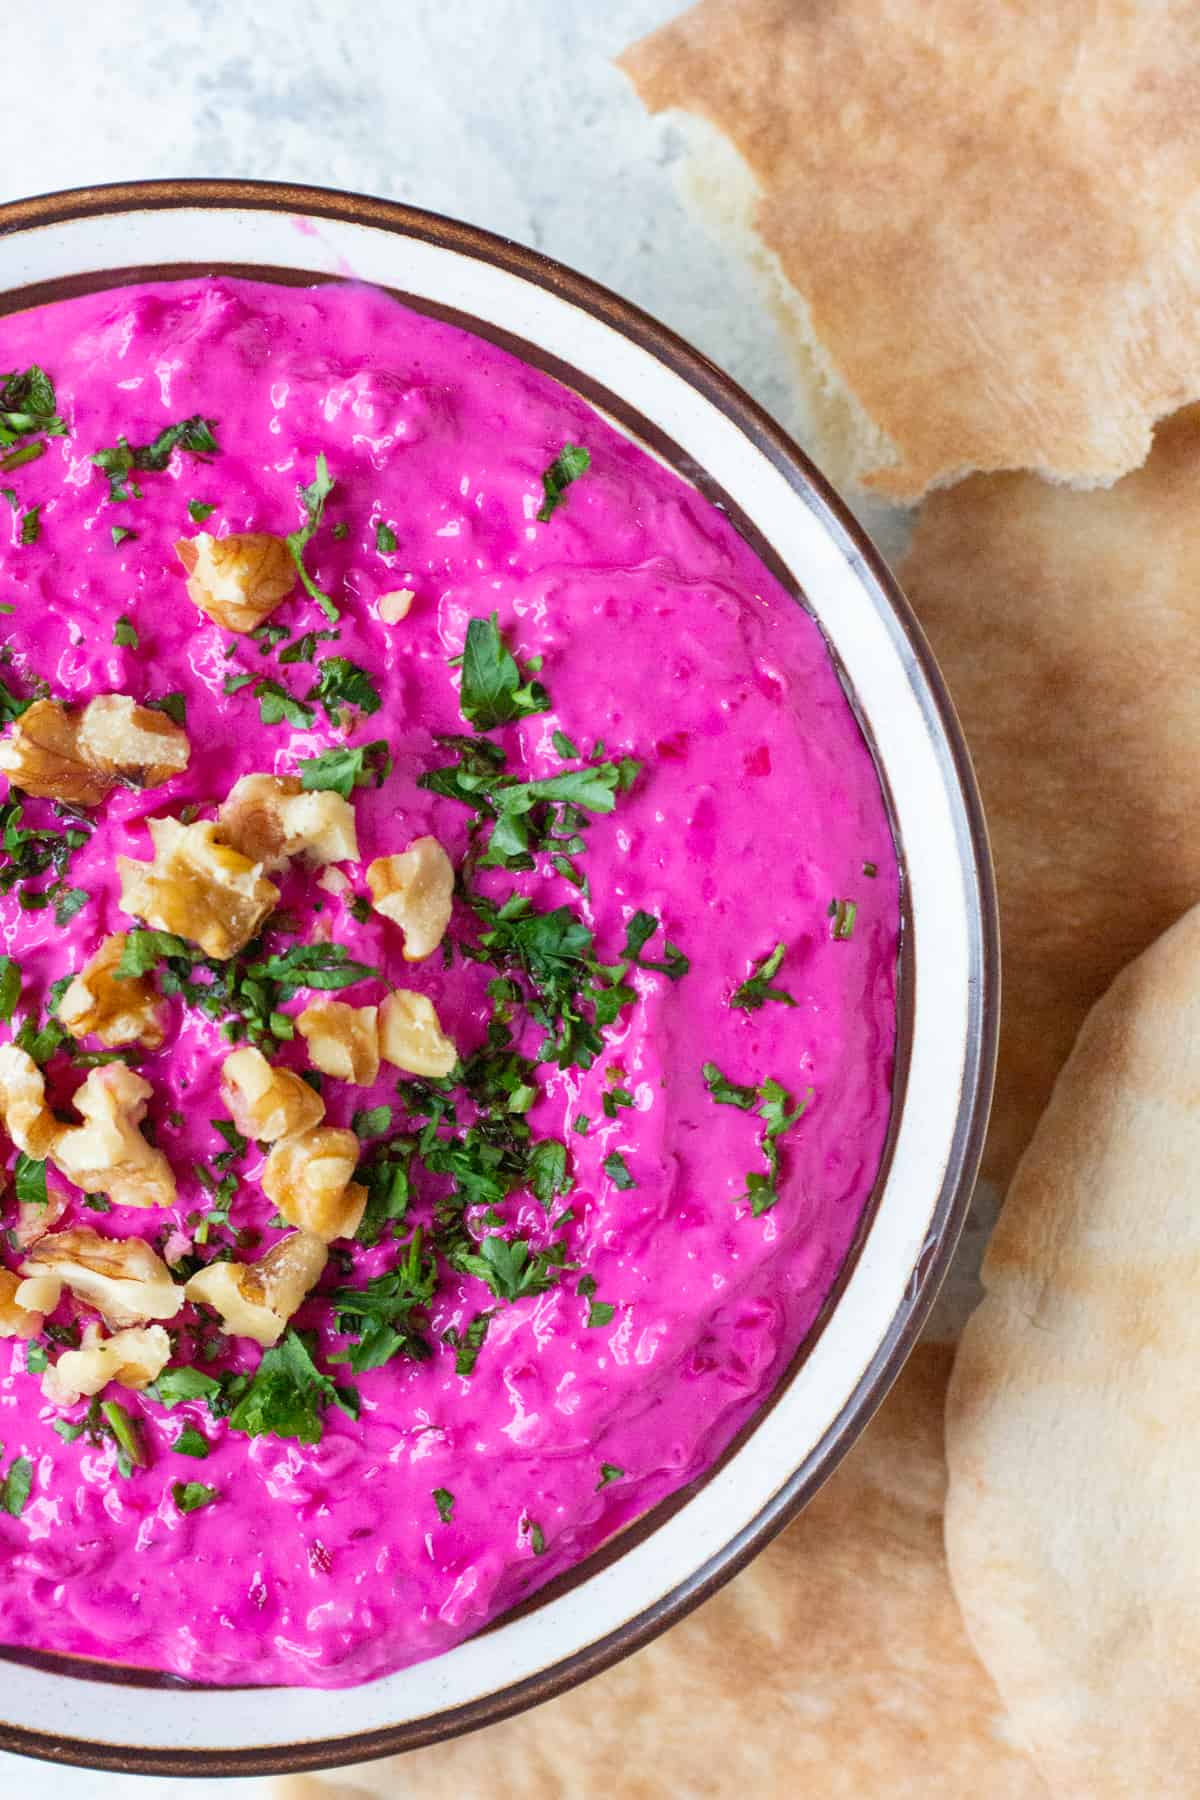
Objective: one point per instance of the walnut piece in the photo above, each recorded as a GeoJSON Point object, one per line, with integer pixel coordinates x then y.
{"type": "Point", "coordinates": [132, 744]}
{"type": "Point", "coordinates": [270, 818]}
{"type": "Point", "coordinates": [395, 606]}
{"type": "Point", "coordinates": [41, 756]}
{"type": "Point", "coordinates": [35, 1218]}
{"type": "Point", "coordinates": [343, 1041]}
{"type": "Point", "coordinates": [59, 753]}
{"type": "Point", "coordinates": [411, 1035]}
{"type": "Point", "coordinates": [108, 1154]}
{"type": "Point", "coordinates": [256, 1300]}
{"type": "Point", "coordinates": [266, 1103]}
{"type": "Point", "coordinates": [27, 1118]}
{"type": "Point", "coordinates": [17, 1319]}
{"type": "Point", "coordinates": [310, 1178]}
{"type": "Point", "coordinates": [39, 1293]}
{"type": "Point", "coordinates": [117, 1010]}
{"type": "Point", "coordinates": [197, 887]}
{"type": "Point", "coordinates": [131, 1358]}
{"type": "Point", "coordinates": [237, 581]}
{"type": "Point", "coordinates": [121, 1277]}
{"type": "Point", "coordinates": [416, 891]}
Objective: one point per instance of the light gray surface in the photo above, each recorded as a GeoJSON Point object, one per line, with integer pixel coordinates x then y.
{"type": "Point", "coordinates": [504, 113]}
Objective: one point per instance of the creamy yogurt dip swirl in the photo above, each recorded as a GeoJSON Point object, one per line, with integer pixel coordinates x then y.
{"type": "Point", "coordinates": [447, 1014]}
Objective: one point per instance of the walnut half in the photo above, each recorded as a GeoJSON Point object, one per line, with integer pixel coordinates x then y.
{"type": "Point", "coordinates": [416, 891]}
{"type": "Point", "coordinates": [28, 1120]}
{"type": "Point", "coordinates": [121, 1277]}
{"type": "Point", "coordinates": [310, 1178]}
{"type": "Point", "coordinates": [270, 818]}
{"type": "Point", "coordinates": [116, 1009]}
{"type": "Point", "coordinates": [133, 1359]}
{"type": "Point", "coordinates": [237, 581]}
{"type": "Point", "coordinates": [266, 1103]}
{"type": "Point", "coordinates": [256, 1300]}
{"type": "Point", "coordinates": [411, 1035]}
{"type": "Point", "coordinates": [17, 1319]}
{"type": "Point", "coordinates": [197, 887]}
{"type": "Point", "coordinates": [343, 1041]}
{"type": "Point", "coordinates": [59, 753]}
{"type": "Point", "coordinates": [107, 1154]}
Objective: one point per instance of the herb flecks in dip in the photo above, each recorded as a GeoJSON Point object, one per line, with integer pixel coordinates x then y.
{"type": "Point", "coordinates": [448, 923]}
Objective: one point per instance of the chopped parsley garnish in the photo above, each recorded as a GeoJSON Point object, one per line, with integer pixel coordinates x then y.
{"type": "Point", "coordinates": [37, 1361]}
{"type": "Point", "coordinates": [27, 407]}
{"type": "Point", "coordinates": [582, 1125]}
{"type": "Point", "coordinates": [385, 539]}
{"type": "Point", "coordinates": [287, 1394]}
{"type": "Point", "coordinates": [199, 510]}
{"type": "Point", "coordinates": [144, 950]}
{"type": "Point", "coordinates": [275, 704]}
{"type": "Point", "coordinates": [29, 1180]}
{"type": "Point", "coordinates": [566, 749]}
{"type": "Point", "coordinates": [537, 1537]}
{"type": "Point", "coordinates": [173, 704]}
{"type": "Point", "coordinates": [493, 691]}
{"type": "Point", "coordinates": [571, 462]}
{"type": "Point", "coordinates": [372, 1123]}
{"type": "Point", "coordinates": [341, 771]}
{"type": "Point", "coordinates": [16, 1486]}
{"type": "Point", "coordinates": [131, 1448]}
{"type": "Point", "coordinates": [509, 1266]}
{"type": "Point", "coordinates": [444, 1501]}
{"type": "Point", "coordinates": [757, 990]}
{"type": "Point", "coordinates": [68, 903]}
{"type": "Point", "coordinates": [174, 1386]}
{"type": "Point", "coordinates": [843, 914]}
{"type": "Point", "coordinates": [467, 1344]}
{"type": "Point", "coordinates": [190, 1496]}
{"type": "Point", "coordinates": [119, 534]}
{"type": "Point", "coordinates": [340, 683]}
{"type": "Point", "coordinates": [194, 435]}
{"type": "Point", "coordinates": [301, 649]}
{"type": "Point", "coordinates": [313, 498]}
{"type": "Point", "coordinates": [191, 1442]}
{"type": "Point", "coordinates": [26, 453]}
{"type": "Point", "coordinates": [870, 870]}
{"type": "Point", "coordinates": [638, 932]}
{"type": "Point", "coordinates": [31, 527]}
{"type": "Point", "coordinates": [27, 854]}
{"type": "Point", "coordinates": [323, 966]}
{"type": "Point", "coordinates": [125, 634]}
{"type": "Point", "coordinates": [388, 1316]}
{"type": "Point", "coordinates": [600, 1312]}
{"type": "Point", "coordinates": [617, 1170]}
{"type": "Point", "coordinates": [10, 985]}
{"type": "Point", "coordinates": [609, 1472]}
{"type": "Point", "coordinates": [772, 1100]}
{"type": "Point", "coordinates": [521, 817]}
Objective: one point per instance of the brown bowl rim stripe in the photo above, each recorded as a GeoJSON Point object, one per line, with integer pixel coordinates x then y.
{"type": "Point", "coordinates": [983, 933]}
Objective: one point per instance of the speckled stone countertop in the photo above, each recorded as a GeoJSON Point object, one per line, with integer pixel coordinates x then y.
{"type": "Point", "coordinates": [507, 113]}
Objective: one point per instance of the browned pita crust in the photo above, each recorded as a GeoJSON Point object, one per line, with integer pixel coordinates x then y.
{"type": "Point", "coordinates": [1068, 629]}
{"type": "Point", "coordinates": [991, 213]}
{"type": "Point", "coordinates": [836, 1665]}
{"type": "Point", "coordinates": [1073, 1426]}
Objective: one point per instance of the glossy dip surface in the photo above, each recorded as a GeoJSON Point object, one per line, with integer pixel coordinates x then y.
{"type": "Point", "coordinates": [757, 806]}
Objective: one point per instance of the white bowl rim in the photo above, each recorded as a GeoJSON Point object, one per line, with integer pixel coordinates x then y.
{"type": "Point", "coordinates": [960, 1000]}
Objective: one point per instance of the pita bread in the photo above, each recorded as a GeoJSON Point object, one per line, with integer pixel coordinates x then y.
{"type": "Point", "coordinates": [1073, 1429]}
{"type": "Point", "coordinates": [1068, 629]}
{"type": "Point", "coordinates": [990, 215]}
{"type": "Point", "coordinates": [836, 1665]}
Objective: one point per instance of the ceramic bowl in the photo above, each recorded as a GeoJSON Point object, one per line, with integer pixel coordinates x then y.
{"type": "Point", "coordinates": [653, 386]}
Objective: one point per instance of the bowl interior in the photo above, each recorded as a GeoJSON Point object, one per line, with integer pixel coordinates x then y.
{"type": "Point", "coordinates": [697, 421]}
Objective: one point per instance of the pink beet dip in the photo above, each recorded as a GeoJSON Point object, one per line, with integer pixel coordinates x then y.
{"type": "Point", "coordinates": [677, 1252]}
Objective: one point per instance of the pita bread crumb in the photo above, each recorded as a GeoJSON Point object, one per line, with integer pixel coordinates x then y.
{"type": "Point", "coordinates": [836, 1665]}
{"type": "Point", "coordinates": [1068, 629]}
{"type": "Point", "coordinates": [990, 215]}
{"type": "Point", "coordinates": [1072, 1425]}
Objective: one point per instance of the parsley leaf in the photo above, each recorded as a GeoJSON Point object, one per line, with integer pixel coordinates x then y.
{"type": "Point", "coordinates": [600, 1312]}
{"type": "Point", "coordinates": [372, 1123]}
{"type": "Point", "coordinates": [609, 1472]}
{"type": "Point", "coordinates": [173, 704]}
{"type": "Point", "coordinates": [342, 770]}
{"type": "Point", "coordinates": [10, 985]}
{"type": "Point", "coordinates": [492, 691]}
{"type": "Point", "coordinates": [16, 1487]}
{"type": "Point", "coordinates": [27, 406]}
{"type": "Point", "coordinates": [322, 966]}
{"type": "Point", "coordinates": [444, 1500]}
{"type": "Point", "coordinates": [726, 1092]}
{"type": "Point", "coordinates": [467, 1345]}
{"type": "Point", "coordinates": [640, 929]}
{"type": "Point", "coordinates": [31, 527]}
{"type": "Point", "coordinates": [548, 1171]}
{"type": "Point", "coordinates": [29, 1179]}
{"type": "Point", "coordinates": [122, 459]}
{"type": "Point", "coordinates": [275, 704]}
{"type": "Point", "coordinates": [757, 990]}
{"type": "Point", "coordinates": [508, 1266]}
{"type": "Point", "coordinates": [119, 533]}
{"type": "Point", "coordinates": [191, 1442]}
{"type": "Point", "coordinates": [341, 682]}
{"type": "Point", "coordinates": [201, 510]}
{"type": "Point", "coordinates": [190, 1496]}
{"type": "Point", "coordinates": [617, 1170]}
{"type": "Point", "coordinates": [144, 950]}
{"type": "Point", "coordinates": [843, 913]}
{"type": "Point", "coordinates": [286, 1395]}
{"type": "Point", "coordinates": [762, 1191]}
{"type": "Point", "coordinates": [174, 1386]}
{"type": "Point", "coordinates": [571, 462]}
{"type": "Point", "coordinates": [68, 903]}
{"type": "Point", "coordinates": [537, 1537]}
{"type": "Point", "coordinates": [313, 497]}
{"type": "Point", "coordinates": [385, 538]}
